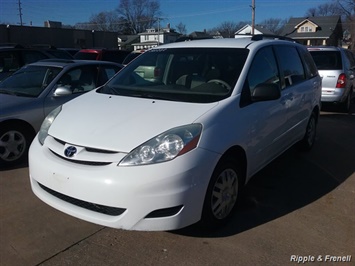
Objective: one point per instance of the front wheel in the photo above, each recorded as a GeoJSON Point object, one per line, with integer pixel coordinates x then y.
{"type": "Point", "coordinates": [222, 194]}
{"type": "Point", "coordinates": [14, 144]}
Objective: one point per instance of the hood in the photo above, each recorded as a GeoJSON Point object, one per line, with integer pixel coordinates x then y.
{"type": "Point", "coordinates": [11, 104]}
{"type": "Point", "coordinates": [120, 123]}
{"type": "Point", "coordinates": [7, 100]}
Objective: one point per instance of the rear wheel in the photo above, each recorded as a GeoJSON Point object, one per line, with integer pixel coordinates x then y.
{"type": "Point", "coordinates": [222, 194]}
{"type": "Point", "coordinates": [310, 136]}
{"type": "Point", "coordinates": [14, 144]}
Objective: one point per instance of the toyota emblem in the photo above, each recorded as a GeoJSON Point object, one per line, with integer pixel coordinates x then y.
{"type": "Point", "coordinates": [70, 151]}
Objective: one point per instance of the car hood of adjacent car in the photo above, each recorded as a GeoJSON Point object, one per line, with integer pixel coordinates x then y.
{"type": "Point", "coordinates": [120, 123]}
{"type": "Point", "coordinates": [12, 104]}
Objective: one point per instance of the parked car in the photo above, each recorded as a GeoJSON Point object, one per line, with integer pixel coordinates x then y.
{"type": "Point", "coordinates": [14, 56]}
{"type": "Point", "coordinates": [53, 51]}
{"type": "Point", "coordinates": [35, 90]}
{"type": "Point", "coordinates": [113, 55]}
{"type": "Point", "coordinates": [165, 149]}
{"type": "Point", "coordinates": [132, 55]}
{"type": "Point", "coordinates": [337, 68]}
{"type": "Point", "coordinates": [71, 51]}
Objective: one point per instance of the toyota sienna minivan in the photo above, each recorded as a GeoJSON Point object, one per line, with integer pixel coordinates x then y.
{"type": "Point", "coordinates": [172, 139]}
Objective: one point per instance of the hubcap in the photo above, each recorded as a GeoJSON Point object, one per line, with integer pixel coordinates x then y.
{"type": "Point", "coordinates": [224, 193]}
{"type": "Point", "coordinates": [12, 145]}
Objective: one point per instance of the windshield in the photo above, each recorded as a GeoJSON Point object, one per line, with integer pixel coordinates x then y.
{"type": "Point", "coordinates": [29, 81]}
{"type": "Point", "coordinates": [180, 74]}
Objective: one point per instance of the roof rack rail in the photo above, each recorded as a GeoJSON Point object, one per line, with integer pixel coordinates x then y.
{"type": "Point", "coordinates": [58, 60]}
{"type": "Point", "coordinates": [43, 46]}
{"type": "Point", "coordinates": [258, 37]}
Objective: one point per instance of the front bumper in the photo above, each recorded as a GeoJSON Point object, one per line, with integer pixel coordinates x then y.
{"type": "Point", "coordinates": [162, 196]}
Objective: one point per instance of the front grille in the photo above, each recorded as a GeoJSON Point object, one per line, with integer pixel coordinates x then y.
{"type": "Point", "coordinates": [88, 149]}
{"type": "Point", "coordinates": [112, 211]}
{"type": "Point", "coordinates": [81, 162]}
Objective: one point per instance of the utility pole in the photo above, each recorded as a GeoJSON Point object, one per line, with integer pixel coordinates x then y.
{"type": "Point", "coordinates": [252, 17]}
{"type": "Point", "coordinates": [20, 12]}
{"type": "Point", "coordinates": [158, 32]}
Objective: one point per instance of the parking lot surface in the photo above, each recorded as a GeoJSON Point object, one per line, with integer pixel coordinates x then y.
{"type": "Point", "coordinates": [298, 210]}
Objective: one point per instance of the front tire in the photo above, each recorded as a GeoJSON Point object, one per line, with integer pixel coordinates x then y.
{"type": "Point", "coordinates": [222, 194]}
{"type": "Point", "coordinates": [14, 144]}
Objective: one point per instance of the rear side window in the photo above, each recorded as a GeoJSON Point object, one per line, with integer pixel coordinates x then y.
{"type": "Point", "coordinates": [327, 60]}
{"type": "Point", "coordinates": [105, 73]}
{"type": "Point", "coordinates": [291, 66]}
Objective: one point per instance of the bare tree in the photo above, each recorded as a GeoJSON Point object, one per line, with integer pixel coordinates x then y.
{"type": "Point", "coordinates": [348, 11]}
{"type": "Point", "coordinates": [105, 21]}
{"type": "Point", "coordinates": [228, 28]}
{"type": "Point", "coordinates": [139, 14]}
{"type": "Point", "coordinates": [274, 25]}
{"type": "Point", "coordinates": [343, 8]}
{"type": "Point", "coordinates": [326, 9]}
{"type": "Point", "coordinates": [181, 28]}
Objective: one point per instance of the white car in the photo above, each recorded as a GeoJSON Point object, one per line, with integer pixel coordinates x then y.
{"type": "Point", "coordinates": [173, 137]}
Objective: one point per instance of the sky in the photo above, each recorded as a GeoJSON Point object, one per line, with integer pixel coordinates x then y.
{"type": "Point", "coordinates": [196, 15]}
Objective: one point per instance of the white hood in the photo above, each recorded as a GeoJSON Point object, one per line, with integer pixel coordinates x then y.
{"type": "Point", "coordinates": [120, 123]}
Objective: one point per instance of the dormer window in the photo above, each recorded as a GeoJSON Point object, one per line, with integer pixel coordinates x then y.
{"type": "Point", "coordinates": [306, 26]}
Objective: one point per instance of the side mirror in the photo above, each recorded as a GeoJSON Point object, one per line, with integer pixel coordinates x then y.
{"type": "Point", "coordinates": [265, 92]}
{"type": "Point", "coordinates": [62, 91]}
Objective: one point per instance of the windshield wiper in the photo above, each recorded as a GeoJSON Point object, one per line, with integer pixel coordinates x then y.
{"type": "Point", "coordinates": [151, 96]}
{"type": "Point", "coordinates": [8, 92]}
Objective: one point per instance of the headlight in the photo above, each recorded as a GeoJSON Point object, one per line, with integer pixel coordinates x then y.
{"type": "Point", "coordinates": [165, 146]}
{"type": "Point", "coordinates": [43, 132]}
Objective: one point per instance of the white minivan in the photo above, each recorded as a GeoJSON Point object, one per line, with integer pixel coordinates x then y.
{"type": "Point", "coordinates": [172, 138]}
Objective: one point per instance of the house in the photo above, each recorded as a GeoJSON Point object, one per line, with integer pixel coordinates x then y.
{"type": "Point", "coordinates": [125, 41]}
{"type": "Point", "coordinates": [221, 34]}
{"type": "Point", "coordinates": [196, 35]}
{"type": "Point", "coordinates": [154, 37]}
{"type": "Point", "coordinates": [324, 30]}
{"type": "Point", "coordinates": [258, 29]}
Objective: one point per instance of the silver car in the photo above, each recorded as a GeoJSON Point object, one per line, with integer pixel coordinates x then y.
{"type": "Point", "coordinates": [36, 89]}
{"type": "Point", "coordinates": [336, 66]}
